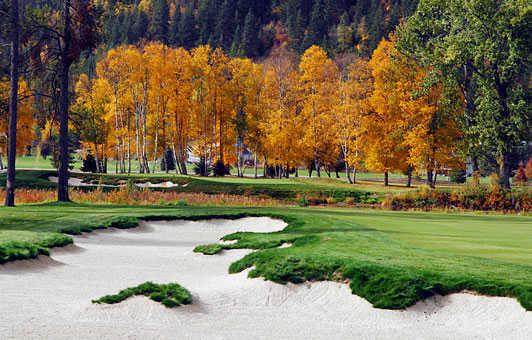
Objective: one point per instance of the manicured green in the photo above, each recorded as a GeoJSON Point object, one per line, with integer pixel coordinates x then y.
{"type": "Point", "coordinates": [392, 259]}
{"type": "Point", "coordinates": [170, 295]}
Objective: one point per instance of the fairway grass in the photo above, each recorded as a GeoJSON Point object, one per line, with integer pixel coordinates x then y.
{"type": "Point", "coordinates": [392, 259]}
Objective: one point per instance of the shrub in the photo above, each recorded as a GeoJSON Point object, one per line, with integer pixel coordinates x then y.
{"type": "Point", "coordinates": [89, 164]}
{"type": "Point", "coordinates": [458, 176]}
{"type": "Point", "coordinates": [219, 169]}
{"type": "Point", "coordinates": [303, 201]}
{"type": "Point", "coordinates": [201, 168]}
{"type": "Point", "coordinates": [520, 176]}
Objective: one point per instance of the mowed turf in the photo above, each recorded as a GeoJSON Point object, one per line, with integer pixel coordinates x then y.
{"type": "Point", "coordinates": [392, 259]}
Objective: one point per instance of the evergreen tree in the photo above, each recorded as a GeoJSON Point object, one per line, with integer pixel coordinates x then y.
{"type": "Point", "coordinates": [235, 46]}
{"type": "Point", "coordinates": [248, 46]}
{"type": "Point", "coordinates": [225, 24]}
{"type": "Point", "coordinates": [187, 29]}
{"type": "Point", "coordinates": [140, 27]}
{"type": "Point", "coordinates": [317, 28]}
{"type": "Point", "coordinates": [206, 19]}
{"type": "Point", "coordinates": [159, 21]}
{"type": "Point", "coordinates": [299, 32]}
{"type": "Point", "coordinates": [175, 33]}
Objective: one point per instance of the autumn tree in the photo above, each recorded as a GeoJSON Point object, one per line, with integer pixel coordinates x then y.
{"type": "Point", "coordinates": [318, 76]}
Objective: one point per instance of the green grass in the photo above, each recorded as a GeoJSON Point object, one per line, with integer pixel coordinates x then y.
{"type": "Point", "coordinates": [170, 295]}
{"type": "Point", "coordinates": [392, 259]}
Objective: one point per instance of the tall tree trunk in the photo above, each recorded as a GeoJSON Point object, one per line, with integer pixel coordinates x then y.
{"type": "Point", "coordinates": [137, 142]}
{"type": "Point", "coordinates": [354, 175]}
{"type": "Point", "coordinates": [156, 136]}
{"type": "Point", "coordinates": [96, 159]}
{"type": "Point", "coordinates": [13, 102]}
{"type": "Point", "coordinates": [386, 179]}
{"type": "Point", "coordinates": [348, 173]}
{"type": "Point", "coordinates": [176, 161]}
{"type": "Point", "coordinates": [62, 184]}
{"type": "Point", "coordinates": [504, 171]}
{"type": "Point", "coordinates": [128, 142]}
{"type": "Point", "coordinates": [430, 178]}
{"type": "Point", "coordinates": [116, 132]}
{"type": "Point", "coordinates": [256, 166]}
{"type": "Point", "coordinates": [409, 180]}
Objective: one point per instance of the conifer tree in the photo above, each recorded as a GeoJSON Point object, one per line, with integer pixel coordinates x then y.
{"type": "Point", "coordinates": [187, 29]}
{"type": "Point", "coordinates": [225, 24]}
{"type": "Point", "coordinates": [248, 46]}
{"type": "Point", "coordinates": [159, 21]}
{"type": "Point", "coordinates": [175, 33]}
{"type": "Point", "coordinates": [235, 46]}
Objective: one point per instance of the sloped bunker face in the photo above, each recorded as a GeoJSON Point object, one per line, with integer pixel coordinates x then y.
{"type": "Point", "coordinates": [55, 301]}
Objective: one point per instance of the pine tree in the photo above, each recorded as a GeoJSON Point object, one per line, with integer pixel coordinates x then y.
{"type": "Point", "coordinates": [317, 28]}
{"type": "Point", "coordinates": [237, 42]}
{"type": "Point", "coordinates": [206, 19]}
{"type": "Point", "coordinates": [175, 33]}
{"type": "Point", "coordinates": [226, 24]}
{"type": "Point", "coordinates": [187, 28]}
{"type": "Point", "coordinates": [248, 45]}
{"type": "Point", "coordinates": [159, 21]}
{"type": "Point", "coordinates": [140, 27]}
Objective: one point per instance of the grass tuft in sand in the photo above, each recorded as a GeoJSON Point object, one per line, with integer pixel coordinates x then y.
{"type": "Point", "coordinates": [170, 294]}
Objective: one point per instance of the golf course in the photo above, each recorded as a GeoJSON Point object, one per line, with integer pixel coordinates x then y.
{"type": "Point", "coordinates": [403, 261]}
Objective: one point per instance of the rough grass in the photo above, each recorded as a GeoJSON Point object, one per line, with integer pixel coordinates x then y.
{"type": "Point", "coordinates": [21, 245]}
{"type": "Point", "coordinates": [170, 294]}
{"type": "Point", "coordinates": [392, 259]}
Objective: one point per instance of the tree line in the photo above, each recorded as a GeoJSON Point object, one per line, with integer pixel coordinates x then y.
{"type": "Point", "coordinates": [145, 104]}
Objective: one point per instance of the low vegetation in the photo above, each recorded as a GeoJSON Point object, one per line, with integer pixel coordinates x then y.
{"type": "Point", "coordinates": [479, 197]}
{"type": "Point", "coordinates": [170, 295]}
{"type": "Point", "coordinates": [392, 259]}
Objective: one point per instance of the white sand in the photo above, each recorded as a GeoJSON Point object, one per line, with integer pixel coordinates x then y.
{"type": "Point", "coordinates": [157, 185]}
{"type": "Point", "coordinates": [78, 182]}
{"type": "Point", "coordinates": [51, 298]}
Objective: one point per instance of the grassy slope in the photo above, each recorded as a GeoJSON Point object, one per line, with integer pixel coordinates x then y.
{"type": "Point", "coordinates": [393, 259]}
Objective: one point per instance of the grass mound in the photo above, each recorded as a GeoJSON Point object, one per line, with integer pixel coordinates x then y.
{"type": "Point", "coordinates": [170, 294]}
{"type": "Point", "coordinates": [23, 245]}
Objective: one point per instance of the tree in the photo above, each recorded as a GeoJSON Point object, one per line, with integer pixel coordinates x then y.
{"type": "Point", "coordinates": [354, 90]}
{"type": "Point", "coordinates": [187, 29]}
{"type": "Point", "coordinates": [248, 43]}
{"type": "Point", "coordinates": [318, 76]}
{"type": "Point", "coordinates": [383, 137]}
{"type": "Point", "coordinates": [485, 43]}
{"type": "Point", "coordinates": [175, 32]}
{"type": "Point", "coordinates": [160, 20]}
{"type": "Point", "coordinates": [13, 103]}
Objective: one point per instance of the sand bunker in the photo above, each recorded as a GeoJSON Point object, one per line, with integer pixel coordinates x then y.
{"type": "Point", "coordinates": [78, 182]}
{"type": "Point", "coordinates": [157, 185]}
{"type": "Point", "coordinates": [55, 302]}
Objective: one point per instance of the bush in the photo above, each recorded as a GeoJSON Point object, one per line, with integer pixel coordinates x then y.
{"type": "Point", "coordinates": [458, 176]}
{"type": "Point", "coordinates": [303, 201]}
{"type": "Point", "coordinates": [472, 197]}
{"type": "Point", "coordinates": [89, 164]}
{"type": "Point", "coordinates": [520, 176]}
{"type": "Point", "coordinates": [168, 161]}
{"type": "Point", "coordinates": [219, 169]}
{"type": "Point", "coordinates": [201, 168]}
